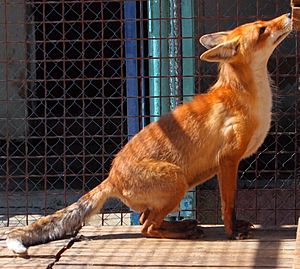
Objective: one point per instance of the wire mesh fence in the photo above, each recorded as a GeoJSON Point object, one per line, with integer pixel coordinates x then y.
{"type": "Point", "coordinates": [80, 78]}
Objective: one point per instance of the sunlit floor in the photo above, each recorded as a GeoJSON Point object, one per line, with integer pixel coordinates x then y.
{"type": "Point", "coordinates": [124, 247]}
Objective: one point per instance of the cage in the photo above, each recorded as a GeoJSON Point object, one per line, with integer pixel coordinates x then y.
{"type": "Point", "coordinates": [79, 78]}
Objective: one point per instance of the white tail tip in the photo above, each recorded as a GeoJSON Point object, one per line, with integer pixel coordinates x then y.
{"type": "Point", "coordinates": [16, 246]}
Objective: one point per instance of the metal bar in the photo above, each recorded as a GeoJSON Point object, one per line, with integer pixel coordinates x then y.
{"type": "Point", "coordinates": [142, 63]}
{"type": "Point", "coordinates": [131, 77]}
{"type": "Point", "coordinates": [188, 49]}
{"type": "Point", "coordinates": [174, 48]}
{"type": "Point", "coordinates": [123, 89]}
{"type": "Point", "coordinates": [7, 176]}
{"type": "Point", "coordinates": [65, 112]}
{"type": "Point", "coordinates": [188, 83]}
{"type": "Point", "coordinates": [45, 111]}
{"type": "Point", "coordinates": [131, 68]}
{"type": "Point", "coordinates": [157, 30]}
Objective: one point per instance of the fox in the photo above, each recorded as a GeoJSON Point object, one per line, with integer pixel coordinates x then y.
{"type": "Point", "coordinates": [199, 139]}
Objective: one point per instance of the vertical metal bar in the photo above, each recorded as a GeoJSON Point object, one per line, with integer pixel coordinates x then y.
{"type": "Point", "coordinates": [25, 85]}
{"type": "Point", "coordinates": [218, 201]}
{"type": "Point", "coordinates": [131, 77]}
{"type": "Point", "coordinates": [256, 160]}
{"type": "Point", "coordinates": [123, 89]}
{"type": "Point", "coordinates": [297, 137]}
{"type": "Point", "coordinates": [164, 55]}
{"type": "Point", "coordinates": [188, 81]}
{"type": "Point", "coordinates": [175, 54]}
{"type": "Point", "coordinates": [174, 57]}
{"type": "Point", "coordinates": [237, 12]}
{"type": "Point", "coordinates": [83, 99]}
{"type": "Point", "coordinates": [142, 64]}
{"type": "Point", "coordinates": [131, 67]}
{"type": "Point", "coordinates": [188, 49]}
{"type": "Point", "coordinates": [45, 108]}
{"type": "Point", "coordinates": [7, 115]}
{"type": "Point", "coordinates": [276, 131]}
{"type": "Point", "coordinates": [65, 102]}
{"type": "Point", "coordinates": [154, 82]}
{"type": "Point", "coordinates": [157, 58]}
{"type": "Point", "coordinates": [102, 98]}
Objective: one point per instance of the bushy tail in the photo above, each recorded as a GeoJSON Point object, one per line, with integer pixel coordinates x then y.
{"type": "Point", "coordinates": [62, 223]}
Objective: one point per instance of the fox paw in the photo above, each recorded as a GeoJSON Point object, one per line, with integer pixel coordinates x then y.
{"type": "Point", "coordinates": [242, 224]}
{"type": "Point", "coordinates": [195, 233]}
{"type": "Point", "coordinates": [242, 230]}
{"type": "Point", "coordinates": [189, 224]}
{"type": "Point", "coordinates": [241, 236]}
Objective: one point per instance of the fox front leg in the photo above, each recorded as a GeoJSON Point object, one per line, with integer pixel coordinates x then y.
{"type": "Point", "coordinates": [227, 177]}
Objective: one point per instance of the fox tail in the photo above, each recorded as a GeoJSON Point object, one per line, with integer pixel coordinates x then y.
{"type": "Point", "coordinates": [62, 223]}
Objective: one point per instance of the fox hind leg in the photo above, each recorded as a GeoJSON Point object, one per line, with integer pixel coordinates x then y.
{"type": "Point", "coordinates": [155, 227]}
{"type": "Point", "coordinates": [182, 225]}
{"type": "Point", "coordinates": [159, 187]}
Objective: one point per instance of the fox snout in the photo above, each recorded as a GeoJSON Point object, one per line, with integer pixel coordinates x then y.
{"type": "Point", "coordinates": [280, 28]}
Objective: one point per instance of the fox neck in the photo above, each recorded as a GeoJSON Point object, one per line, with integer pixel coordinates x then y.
{"type": "Point", "coordinates": [251, 79]}
{"type": "Point", "coordinates": [244, 77]}
{"type": "Point", "coordinates": [263, 92]}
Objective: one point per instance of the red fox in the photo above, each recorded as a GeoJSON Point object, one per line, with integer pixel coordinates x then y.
{"type": "Point", "coordinates": [199, 139]}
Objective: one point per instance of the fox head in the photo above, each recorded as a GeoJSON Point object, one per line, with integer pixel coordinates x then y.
{"type": "Point", "coordinates": [249, 42]}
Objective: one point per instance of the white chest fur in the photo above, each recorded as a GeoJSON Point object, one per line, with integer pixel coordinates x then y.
{"type": "Point", "coordinates": [262, 111]}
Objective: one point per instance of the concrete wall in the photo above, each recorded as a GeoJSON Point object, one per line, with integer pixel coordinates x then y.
{"type": "Point", "coordinates": [13, 69]}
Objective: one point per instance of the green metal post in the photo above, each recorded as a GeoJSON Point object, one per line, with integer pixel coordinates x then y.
{"type": "Point", "coordinates": [188, 82]}
{"type": "Point", "coordinates": [158, 62]}
{"type": "Point", "coordinates": [188, 49]}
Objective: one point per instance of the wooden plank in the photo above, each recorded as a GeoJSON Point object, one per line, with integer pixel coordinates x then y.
{"type": "Point", "coordinates": [218, 229]}
{"type": "Point", "coordinates": [296, 263]}
{"type": "Point", "coordinates": [123, 247]}
{"type": "Point", "coordinates": [179, 261]}
{"type": "Point", "coordinates": [296, 18]}
{"type": "Point", "coordinates": [267, 246]}
{"type": "Point", "coordinates": [30, 266]}
{"type": "Point", "coordinates": [24, 261]}
{"type": "Point", "coordinates": [18, 262]}
{"type": "Point", "coordinates": [3, 230]}
{"type": "Point", "coordinates": [161, 248]}
{"type": "Point", "coordinates": [195, 256]}
{"type": "Point", "coordinates": [184, 246]}
{"type": "Point", "coordinates": [210, 233]}
{"type": "Point", "coordinates": [178, 252]}
{"type": "Point", "coordinates": [295, 3]}
{"type": "Point", "coordinates": [91, 266]}
{"type": "Point", "coordinates": [117, 238]}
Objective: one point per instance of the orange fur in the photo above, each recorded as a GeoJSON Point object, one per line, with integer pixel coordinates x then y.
{"type": "Point", "coordinates": [205, 137]}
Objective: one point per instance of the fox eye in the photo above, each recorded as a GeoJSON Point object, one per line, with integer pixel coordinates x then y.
{"type": "Point", "coordinates": [262, 30]}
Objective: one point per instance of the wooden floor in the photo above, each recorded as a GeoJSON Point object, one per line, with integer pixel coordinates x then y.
{"type": "Point", "coordinates": [124, 247]}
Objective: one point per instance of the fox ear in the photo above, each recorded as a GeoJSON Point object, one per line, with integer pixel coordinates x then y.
{"type": "Point", "coordinates": [212, 40]}
{"type": "Point", "coordinates": [221, 52]}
